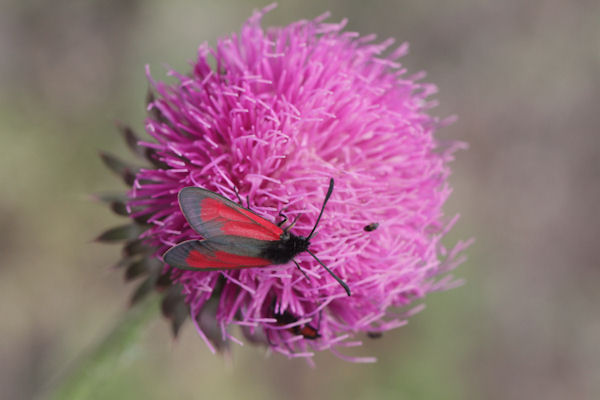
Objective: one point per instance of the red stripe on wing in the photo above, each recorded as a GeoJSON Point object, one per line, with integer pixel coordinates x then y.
{"type": "Point", "coordinates": [238, 221]}
{"type": "Point", "coordinates": [223, 260]}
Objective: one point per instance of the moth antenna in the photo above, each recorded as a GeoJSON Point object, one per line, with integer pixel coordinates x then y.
{"type": "Point", "coordinates": [301, 270]}
{"type": "Point", "coordinates": [337, 278]}
{"type": "Point", "coordinates": [329, 191]}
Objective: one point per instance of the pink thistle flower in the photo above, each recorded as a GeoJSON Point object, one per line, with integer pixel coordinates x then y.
{"type": "Point", "coordinates": [273, 115]}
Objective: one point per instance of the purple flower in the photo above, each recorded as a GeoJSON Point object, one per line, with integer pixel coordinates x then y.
{"type": "Point", "coordinates": [273, 115]}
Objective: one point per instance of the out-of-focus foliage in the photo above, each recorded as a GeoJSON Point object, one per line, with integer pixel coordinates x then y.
{"type": "Point", "coordinates": [523, 78]}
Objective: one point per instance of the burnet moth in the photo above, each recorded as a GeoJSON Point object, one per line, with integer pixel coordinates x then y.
{"type": "Point", "coordinates": [306, 330]}
{"type": "Point", "coordinates": [235, 237]}
{"type": "Point", "coordinates": [371, 227]}
{"type": "Point", "coordinates": [287, 318]}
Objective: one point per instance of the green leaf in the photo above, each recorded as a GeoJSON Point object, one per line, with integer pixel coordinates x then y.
{"type": "Point", "coordinates": [120, 233]}
{"type": "Point", "coordinates": [144, 289]}
{"type": "Point", "coordinates": [110, 197]}
{"type": "Point", "coordinates": [126, 171]}
{"type": "Point", "coordinates": [174, 308]}
{"type": "Point", "coordinates": [135, 247]}
{"type": "Point", "coordinates": [144, 266]}
{"type": "Point", "coordinates": [146, 153]}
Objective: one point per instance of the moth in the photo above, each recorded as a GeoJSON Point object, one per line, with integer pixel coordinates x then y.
{"type": "Point", "coordinates": [306, 330]}
{"type": "Point", "coordinates": [234, 237]}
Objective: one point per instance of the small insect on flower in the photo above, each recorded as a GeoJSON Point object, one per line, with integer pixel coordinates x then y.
{"type": "Point", "coordinates": [235, 237]}
{"type": "Point", "coordinates": [374, 335]}
{"type": "Point", "coordinates": [306, 330]}
{"type": "Point", "coordinates": [371, 227]}
{"type": "Point", "coordinates": [287, 318]}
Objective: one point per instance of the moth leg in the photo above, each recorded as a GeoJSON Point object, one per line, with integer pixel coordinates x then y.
{"type": "Point", "coordinates": [237, 194]}
{"type": "Point", "coordinates": [268, 337]}
{"type": "Point", "coordinates": [320, 318]}
{"type": "Point", "coordinates": [285, 219]}
{"type": "Point", "coordinates": [301, 270]}
{"type": "Point", "coordinates": [290, 226]}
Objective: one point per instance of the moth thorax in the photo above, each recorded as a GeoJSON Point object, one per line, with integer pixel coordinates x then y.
{"type": "Point", "coordinates": [284, 249]}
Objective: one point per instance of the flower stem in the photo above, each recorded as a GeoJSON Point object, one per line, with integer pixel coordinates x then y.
{"type": "Point", "coordinates": [94, 368]}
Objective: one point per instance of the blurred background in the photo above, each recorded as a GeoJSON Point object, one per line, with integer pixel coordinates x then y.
{"type": "Point", "coordinates": [524, 79]}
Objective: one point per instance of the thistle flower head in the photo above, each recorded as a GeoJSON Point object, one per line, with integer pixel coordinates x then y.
{"type": "Point", "coordinates": [269, 116]}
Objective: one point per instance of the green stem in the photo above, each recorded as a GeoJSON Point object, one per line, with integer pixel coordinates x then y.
{"type": "Point", "coordinates": [94, 368]}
